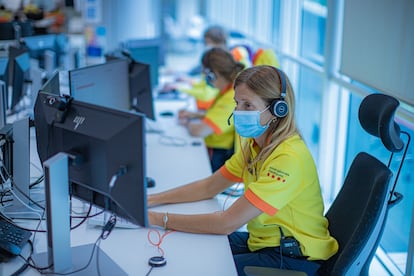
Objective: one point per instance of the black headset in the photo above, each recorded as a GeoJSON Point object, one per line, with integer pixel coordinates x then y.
{"type": "Point", "coordinates": [279, 107]}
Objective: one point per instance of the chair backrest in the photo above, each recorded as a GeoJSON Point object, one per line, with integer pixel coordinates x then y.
{"type": "Point", "coordinates": [357, 214]}
{"type": "Point", "coordinates": [376, 115]}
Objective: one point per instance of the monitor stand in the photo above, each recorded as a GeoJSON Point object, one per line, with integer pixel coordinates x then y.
{"type": "Point", "coordinates": [22, 206]}
{"type": "Point", "coordinates": [67, 259]}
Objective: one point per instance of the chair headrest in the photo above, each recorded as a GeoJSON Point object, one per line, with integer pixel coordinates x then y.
{"type": "Point", "coordinates": [376, 115]}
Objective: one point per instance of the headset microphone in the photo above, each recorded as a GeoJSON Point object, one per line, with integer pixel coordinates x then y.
{"type": "Point", "coordinates": [228, 120]}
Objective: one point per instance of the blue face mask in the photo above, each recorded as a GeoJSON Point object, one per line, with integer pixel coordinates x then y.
{"type": "Point", "coordinates": [247, 123]}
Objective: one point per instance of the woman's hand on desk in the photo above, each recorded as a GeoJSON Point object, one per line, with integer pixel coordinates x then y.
{"type": "Point", "coordinates": [224, 222]}
{"type": "Point", "coordinates": [185, 116]}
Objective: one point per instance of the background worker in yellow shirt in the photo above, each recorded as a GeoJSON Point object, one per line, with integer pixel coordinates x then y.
{"type": "Point", "coordinates": [220, 70]}
{"type": "Point", "coordinates": [214, 36]}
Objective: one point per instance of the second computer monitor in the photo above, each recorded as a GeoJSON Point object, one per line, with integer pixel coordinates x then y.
{"type": "Point", "coordinates": [149, 51]}
{"type": "Point", "coordinates": [140, 89]}
{"type": "Point", "coordinates": [106, 148]}
{"type": "Point", "coordinates": [21, 66]}
{"type": "Point", "coordinates": [52, 85]}
{"type": "Point", "coordinates": [105, 84]}
{"type": "Point", "coordinates": [4, 69]}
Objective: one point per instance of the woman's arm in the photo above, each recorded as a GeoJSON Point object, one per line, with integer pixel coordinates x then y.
{"type": "Point", "coordinates": [199, 129]}
{"type": "Point", "coordinates": [222, 223]}
{"type": "Point", "coordinates": [195, 191]}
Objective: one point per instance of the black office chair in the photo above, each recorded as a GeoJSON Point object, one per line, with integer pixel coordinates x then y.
{"type": "Point", "coordinates": [358, 214]}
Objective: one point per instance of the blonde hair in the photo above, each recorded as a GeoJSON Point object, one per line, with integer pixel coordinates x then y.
{"type": "Point", "coordinates": [265, 81]}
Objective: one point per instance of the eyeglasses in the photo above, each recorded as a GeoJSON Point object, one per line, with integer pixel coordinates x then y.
{"type": "Point", "coordinates": [210, 76]}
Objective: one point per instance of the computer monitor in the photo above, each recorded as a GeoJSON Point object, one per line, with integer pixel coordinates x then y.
{"type": "Point", "coordinates": [4, 71]}
{"type": "Point", "coordinates": [14, 30]}
{"type": "Point", "coordinates": [52, 85]}
{"type": "Point", "coordinates": [3, 105]}
{"type": "Point", "coordinates": [39, 46]}
{"type": "Point", "coordinates": [104, 84]}
{"type": "Point", "coordinates": [21, 67]}
{"type": "Point", "coordinates": [149, 51]}
{"type": "Point", "coordinates": [38, 43]}
{"type": "Point", "coordinates": [140, 89]}
{"type": "Point", "coordinates": [101, 143]}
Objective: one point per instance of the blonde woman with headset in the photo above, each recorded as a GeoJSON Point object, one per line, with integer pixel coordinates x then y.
{"type": "Point", "coordinates": [282, 204]}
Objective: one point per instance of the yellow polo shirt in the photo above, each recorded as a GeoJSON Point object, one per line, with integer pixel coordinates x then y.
{"type": "Point", "coordinates": [287, 190]}
{"type": "Point", "coordinates": [217, 118]}
{"type": "Point", "coordinates": [203, 93]}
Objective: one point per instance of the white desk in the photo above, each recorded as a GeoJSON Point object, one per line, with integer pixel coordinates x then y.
{"type": "Point", "coordinates": [186, 254]}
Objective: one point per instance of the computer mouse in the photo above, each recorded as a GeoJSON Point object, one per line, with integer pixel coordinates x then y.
{"type": "Point", "coordinates": [150, 182]}
{"type": "Point", "coordinates": [167, 113]}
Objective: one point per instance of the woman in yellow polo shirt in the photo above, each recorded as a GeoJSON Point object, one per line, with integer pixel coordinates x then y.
{"type": "Point", "coordinates": [282, 195]}
{"type": "Point", "coordinates": [220, 69]}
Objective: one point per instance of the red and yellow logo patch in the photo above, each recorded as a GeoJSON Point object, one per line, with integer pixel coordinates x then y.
{"type": "Point", "coordinates": [277, 175]}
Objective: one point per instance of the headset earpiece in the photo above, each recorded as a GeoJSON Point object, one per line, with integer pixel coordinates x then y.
{"type": "Point", "coordinates": [279, 107]}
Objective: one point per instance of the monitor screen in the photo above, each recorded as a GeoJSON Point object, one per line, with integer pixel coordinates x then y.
{"type": "Point", "coordinates": [100, 142]}
{"type": "Point", "coordinates": [104, 84]}
{"type": "Point", "coordinates": [21, 67]}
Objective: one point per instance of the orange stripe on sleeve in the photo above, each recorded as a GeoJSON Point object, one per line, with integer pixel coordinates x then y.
{"type": "Point", "coordinates": [204, 105]}
{"type": "Point", "coordinates": [256, 55]}
{"type": "Point", "coordinates": [228, 175]}
{"type": "Point", "coordinates": [259, 203]}
{"type": "Point", "coordinates": [237, 55]}
{"type": "Point", "coordinates": [211, 124]}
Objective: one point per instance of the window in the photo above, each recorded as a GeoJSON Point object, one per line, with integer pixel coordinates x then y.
{"type": "Point", "coordinates": [308, 107]}
{"type": "Point", "coordinates": [313, 31]}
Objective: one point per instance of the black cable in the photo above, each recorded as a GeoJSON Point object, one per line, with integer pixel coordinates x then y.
{"type": "Point", "coordinates": [25, 195]}
{"type": "Point", "coordinates": [400, 165]}
{"type": "Point", "coordinates": [41, 270]}
{"type": "Point", "coordinates": [37, 181]}
{"type": "Point", "coordinates": [26, 263]}
{"type": "Point", "coordinates": [280, 247]}
{"type": "Point", "coordinates": [148, 273]}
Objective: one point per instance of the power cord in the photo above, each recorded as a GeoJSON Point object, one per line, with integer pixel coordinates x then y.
{"type": "Point", "coordinates": [157, 261]}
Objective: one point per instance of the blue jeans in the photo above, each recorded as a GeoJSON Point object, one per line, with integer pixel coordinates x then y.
{"type": "Point", "coordinates": [266, 257]}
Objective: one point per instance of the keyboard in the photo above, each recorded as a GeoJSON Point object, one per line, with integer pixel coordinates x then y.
{"type": "Point", "coordinates": [12, 238]}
